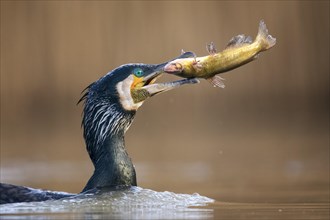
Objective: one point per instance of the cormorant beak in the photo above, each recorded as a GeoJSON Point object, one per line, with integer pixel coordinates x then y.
{"type": "Point", "coordinates": [156, 88]}
{"type": "Point", "coordinates": [149, 88]}
{"type": "Point", "coordinates": [151, 78]}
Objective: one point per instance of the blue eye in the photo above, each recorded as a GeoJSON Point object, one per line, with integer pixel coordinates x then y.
{"type": "Point", "coordinates": [138, 72]}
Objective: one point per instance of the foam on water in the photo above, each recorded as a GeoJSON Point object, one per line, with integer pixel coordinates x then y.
{"type": "Point", "coordinates": [134, 202]}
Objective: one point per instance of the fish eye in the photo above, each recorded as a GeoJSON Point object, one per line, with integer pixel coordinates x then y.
{"type": "Point", "coordinates": [138, 72]}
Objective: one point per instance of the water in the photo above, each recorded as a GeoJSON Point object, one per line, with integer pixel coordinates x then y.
{"type": "Point", "coordinates": [303, 198]}
{"type": "Point", "coordinates": [139, 203]}
{"type": "Point", "coordinates": [133, 203]}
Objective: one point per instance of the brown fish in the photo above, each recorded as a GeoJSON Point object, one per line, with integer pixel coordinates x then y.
{"type": "Point", "coordinates": [239, 51]}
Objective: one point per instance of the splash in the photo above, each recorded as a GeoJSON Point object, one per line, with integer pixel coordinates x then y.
{"type": "Point", "coordinates": [134, 202]}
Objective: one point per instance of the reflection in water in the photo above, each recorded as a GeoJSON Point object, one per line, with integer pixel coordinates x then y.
{"type": "Point", "coordinates": [136, 202]}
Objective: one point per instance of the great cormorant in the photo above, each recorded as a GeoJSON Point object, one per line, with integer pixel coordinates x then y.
{"type": "Point", "coordinates": [110, 105]}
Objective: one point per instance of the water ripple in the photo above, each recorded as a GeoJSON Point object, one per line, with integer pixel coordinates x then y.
{"type": "Point", "coordinates": [132, 203]}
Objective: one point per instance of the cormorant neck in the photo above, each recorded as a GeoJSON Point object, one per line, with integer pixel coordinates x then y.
{"type": "Point", "coordinates": [104, 129]}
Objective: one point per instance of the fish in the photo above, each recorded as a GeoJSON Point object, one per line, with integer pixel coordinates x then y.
{"type": "Point", "coordinates": [239, 51]}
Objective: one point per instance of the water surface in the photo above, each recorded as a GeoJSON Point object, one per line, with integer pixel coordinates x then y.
{"type": "Point", "coordinates": [133, 203]}
{"type": "Point", "coordinates": [139, 203]}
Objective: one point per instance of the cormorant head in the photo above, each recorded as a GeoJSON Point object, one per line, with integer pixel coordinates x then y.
{"type": "Point", "coordinates": [128, 85]}
{"type": "Point", "coordinates": [111, 101]}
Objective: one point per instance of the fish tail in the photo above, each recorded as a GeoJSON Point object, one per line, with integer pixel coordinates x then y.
{"type": "Point", "coordinates": [263, 38]}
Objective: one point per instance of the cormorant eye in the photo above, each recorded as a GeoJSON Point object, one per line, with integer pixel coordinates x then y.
{"type": "Point", "coordinates": [138, 72]}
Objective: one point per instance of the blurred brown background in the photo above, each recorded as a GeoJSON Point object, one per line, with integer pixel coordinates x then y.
{"type": "Point", "coordinates": [265, 137]}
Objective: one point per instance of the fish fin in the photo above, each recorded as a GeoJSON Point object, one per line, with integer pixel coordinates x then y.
{"type": "Point", "coordinates": [182, 51]}
{"type": "Point", "coordinates": [183, 55]}
{"type": "Point", "coordinates": [265, 39]}
{"type": "Point", "coordinates": [239, 40]}
{"type": "Point", "coordinates": [186, 55]}
{"type": "Point", "coordinates": [197, 65]}
{"type": "Point", "coordinates": [211, 48]}
{"type": "Point", "coordinates": [217, 81]}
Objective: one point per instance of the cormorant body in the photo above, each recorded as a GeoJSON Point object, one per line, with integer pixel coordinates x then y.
{"type": "Point", "coordinates": [109, 110]}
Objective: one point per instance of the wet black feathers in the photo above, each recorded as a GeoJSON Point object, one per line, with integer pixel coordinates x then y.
{"type": "Point", "coordinates": [11, 193]}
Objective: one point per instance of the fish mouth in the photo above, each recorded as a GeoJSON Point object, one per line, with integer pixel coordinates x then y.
{"type": "Point", "coordinates": [173, 67]}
